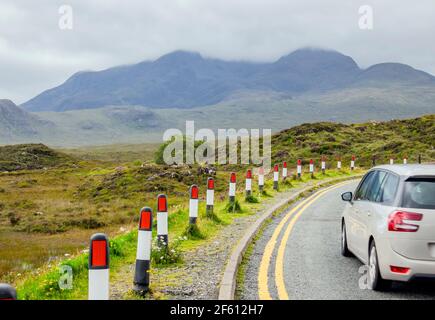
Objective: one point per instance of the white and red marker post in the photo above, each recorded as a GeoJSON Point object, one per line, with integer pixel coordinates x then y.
{"type": "Point", "coordinates": [99, 267]}
{"type": "Point", "coordinates": [162, 220]}
{"type": "Point", "coordinates": [352, 163]}
{"type": "Point", "coordinates": [338, 163]}
{"type": "Point", "coordinates": [248, 184]}
{"type": "Point", "coordinates": [299, 168]}
{"type": "Point", "coordinates": [7, 292]}
{"type": "Point", "coordinates": [405, 160]}
{"type": "Point", "coordinates": [193, 204]}
{"type": "Point", "coordinates": [312, 168]}
{"type": "Point", "coordinates": [323, 164]}
{"type": "Point", "coordinates": [143, 254]}
{"type": "Point", "coordinates": [261, 179]}
{"type": "Point", "coordinates": [284, 170]}
{"type": "Point", "coordinates": [210, 197]}
{"type": "Point", "coordinates": [391, 160]}
{"type": "Point", "coordinates": [232, 189]}
{"type": "Point", "coordinates": [275, 177]}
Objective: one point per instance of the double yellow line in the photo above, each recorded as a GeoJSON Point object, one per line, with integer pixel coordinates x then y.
{"type": "Point", "coordinates": [263, 283]}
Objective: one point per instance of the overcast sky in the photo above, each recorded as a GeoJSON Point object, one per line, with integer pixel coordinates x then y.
{"type": "Point", "coordinates": [35, 54]}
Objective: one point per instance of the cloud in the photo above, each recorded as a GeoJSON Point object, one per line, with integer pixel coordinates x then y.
{"type": "Point", "coordinates": [35, 54]}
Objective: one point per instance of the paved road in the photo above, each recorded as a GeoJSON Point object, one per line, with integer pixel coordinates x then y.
{"type": "Point", "coordinates": [305, 262]}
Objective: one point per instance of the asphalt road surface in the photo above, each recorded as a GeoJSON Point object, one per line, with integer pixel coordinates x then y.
{"type": "Point", "coordinates": [298, 257]}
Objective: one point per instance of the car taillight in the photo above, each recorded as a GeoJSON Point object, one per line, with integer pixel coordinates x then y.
{"type": "Point", "coordinates": [399, 269]}
{"type": "Point", "coordinates": [397, 221]}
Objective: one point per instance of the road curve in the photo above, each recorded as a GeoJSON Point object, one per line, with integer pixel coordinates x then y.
{"type": "Point", "coordinates": [297, 257]}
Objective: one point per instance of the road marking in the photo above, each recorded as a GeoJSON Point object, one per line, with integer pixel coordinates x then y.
{"type": "Point", "coordinates": [263, 288]}
{"type": "Point", "coordinates": [279, 264]}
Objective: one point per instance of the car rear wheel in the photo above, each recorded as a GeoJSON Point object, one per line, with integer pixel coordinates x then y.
{"type": "Point", "coordinates": [344, 249]}
{"type": "Point", "coordinates": [375, 281]}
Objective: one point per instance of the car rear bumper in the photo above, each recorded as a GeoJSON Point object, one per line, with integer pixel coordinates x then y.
{"type": "Point", "coordinates": [388, 257]}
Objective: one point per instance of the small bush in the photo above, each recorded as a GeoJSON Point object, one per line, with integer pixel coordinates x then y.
{"type": "Point", "coordinates": [193, 232]}
{"type": "Point", "coordinates": [213, 217]}
{"type": "Point", "coordinates": [287, 183]}
{"type": "Point", "coordinates": [137, 163]}
{"type": "Point", "coordinates": [233, 207]}
{"type": "Point", "coordinates": [14, 219]}
{"type": "Point", "coordinates": [251, 199]}
{"type": "Point", "coordinates": [165, 255]}
{"type": "Point", "coordinates": [266, 194]}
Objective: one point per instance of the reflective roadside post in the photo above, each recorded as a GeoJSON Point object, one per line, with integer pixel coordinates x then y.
{"type": "Point", "coordinates": [210, 197]}
{"type": "Point", "coordinates": [193, 204]}
{"type": "Point", "coordinates": [275, 177]}
{"type": "Point", "coordinates": [261, 179]}
{"type": "Point", "coordinates": [99, 267]}
{"type": "Point", "coordinates": [299, 168]}
{"type": "Point", "coordinates": [284, 170]}
{"type": "Point", "coordinates": [312, 168]}
{"type": "Point", "coordinates": [162, 220]}
{"type": "Point", "coordinates": [248, 184]}
{"type": "Point", "coordinates": [323, 164]}
{"type": "Point", "coordinates": [352, 163]}
{"type": "Point", "coordinates": [143, 254]}
{"type": "Point", "coordinates": [232, 189]}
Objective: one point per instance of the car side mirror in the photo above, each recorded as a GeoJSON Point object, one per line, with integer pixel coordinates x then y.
{"type": "Point", "coordinates": [347, 196]}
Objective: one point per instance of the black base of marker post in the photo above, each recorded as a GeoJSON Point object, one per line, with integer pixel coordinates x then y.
{"type": "Point", "coordinates": [7, 292]}
{"type": "Point", "coordinates": [209, 210]}
{"type": "Point", "coordinates": [275, 185]}
{"type": "Point", "coordinates": [142, 279]}
{"type": "Point", "coordinates": [232, 199]}
{"type": "Point", "coordinates": [192, 220]}
{"type": "Point", "coordinates": [248, 193]}
{"type": "Point", "coordinates": [419, 158]}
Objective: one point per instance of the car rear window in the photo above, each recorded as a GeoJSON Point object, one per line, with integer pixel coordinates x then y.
{"type": "Point", "coordinates": [419, 192]}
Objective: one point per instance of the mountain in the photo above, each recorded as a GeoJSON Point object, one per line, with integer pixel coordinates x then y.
{"type": "Point", "coordinates": [180, 79]}
{"type": "Point", "coordinates": [186, 79]}
{"type": "Point", "coordinates": [308, 69]}
{"type": "Point", "coordinates": [385, 74]}
{"type": "Point", "coordinates": [19, 125]}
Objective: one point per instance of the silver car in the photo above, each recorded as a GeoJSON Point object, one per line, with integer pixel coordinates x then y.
{"type": "Point", "coordinates": [389, 223]}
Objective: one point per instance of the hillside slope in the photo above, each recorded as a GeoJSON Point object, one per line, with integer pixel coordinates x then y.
{"type": "Point", "coordinates": [31, 156]}
{"type": "Point", "coordinates": [17, 124]}
{"type": "Point", "coordinates": [397, 139]}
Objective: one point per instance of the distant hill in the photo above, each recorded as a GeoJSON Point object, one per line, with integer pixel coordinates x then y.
{"type": "Point", "coordinates": [397, 139]}
{"type": "Point", "coordinates": [186, 79]}
{"type": "Point", "coordinates": [17, 124]}
{"type": "Point", "coordinates": [31, 156]}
